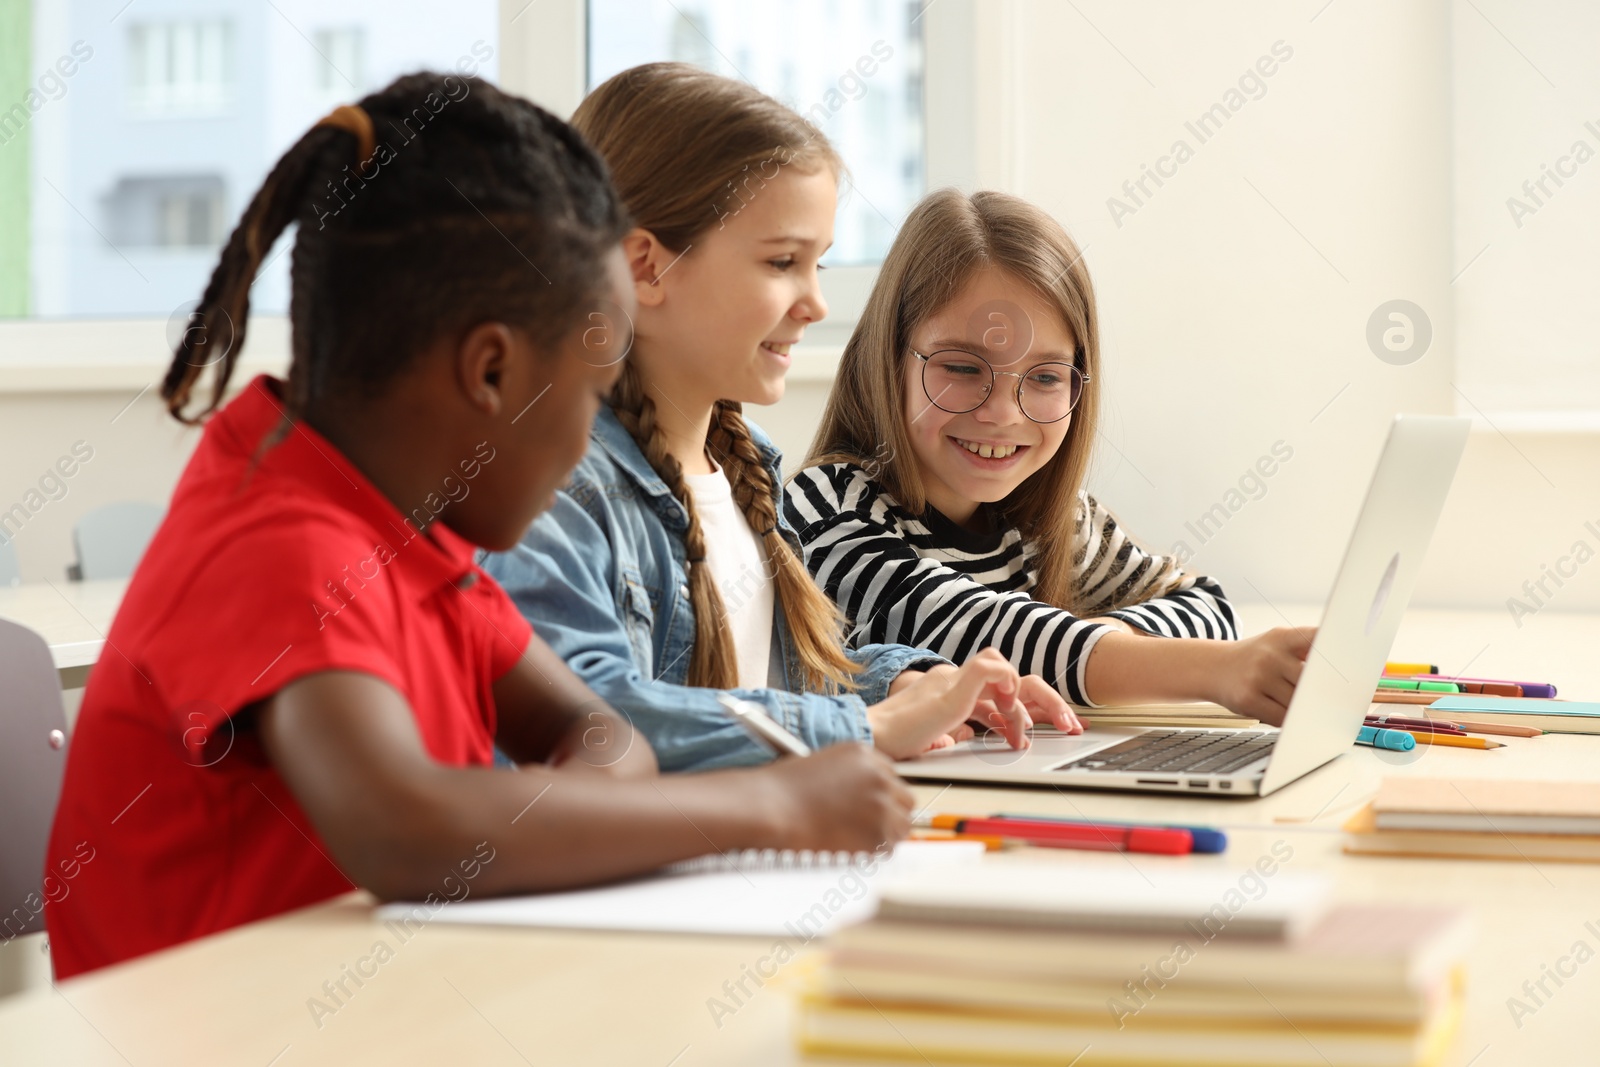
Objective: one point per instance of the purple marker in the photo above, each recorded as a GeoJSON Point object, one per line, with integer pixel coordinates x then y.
{"type": "Point", "coordinates": [1529, 689]}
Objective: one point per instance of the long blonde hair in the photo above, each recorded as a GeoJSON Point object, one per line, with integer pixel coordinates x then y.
{"type": "Point", "coordinates": [684, 147]}
{"type": "Point", "coordinates": [949, 237]}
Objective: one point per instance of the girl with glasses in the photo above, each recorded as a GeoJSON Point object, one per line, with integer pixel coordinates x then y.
{"type": "Point", "coordinates": [943, 506]}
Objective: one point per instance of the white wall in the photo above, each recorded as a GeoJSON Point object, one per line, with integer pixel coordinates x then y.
{"type": "Point", "coordinates": [1235, 300]}
{"type": "Point", "coordinates": [97, 387]}
{"type": "Point", "coordinates": [137, 458]}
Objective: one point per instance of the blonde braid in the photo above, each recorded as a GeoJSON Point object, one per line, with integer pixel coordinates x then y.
{"type": "Point", "coordinates": [712, 663]}
{"type": "Point", "coordinates": [815, 622]}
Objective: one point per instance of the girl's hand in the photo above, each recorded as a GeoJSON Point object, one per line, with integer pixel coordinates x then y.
{"type": "Point", "coordinates": [843, 797]}
{"type": "Point", "coordinates": [1257, 676]}
{"type": "Point", "coordinates": [1039, 698]}
{"type": "Point", "coordinates": [931, 711]}
{"type": "Point", "coordinates": [1044, 704]}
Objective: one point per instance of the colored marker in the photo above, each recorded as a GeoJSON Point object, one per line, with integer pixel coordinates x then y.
{"type": "Point", "coordinates": [1105, 837]}
{"type": "Point", "coordinates": [1206, 839]}
{"type": "Point", "coordinates": [1424, 686]}
{"type": "Point", "coordinates": [1403, 669]}
{"type": "Point", "coordinates": [1398, 696]}
{"type": "Point", "coordinates": [1492, 689]}
{"type": "Point", "coordinates": [1488, 689]}
{"type": "Point", "coordinates": [1539, 690]}
{"type": "Point", "coordinates": [990, 844]}
{"type": "Point", "coordinates": [1398, 740]}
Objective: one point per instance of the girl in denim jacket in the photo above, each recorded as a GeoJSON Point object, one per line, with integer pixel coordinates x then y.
{"type": "Point", "coordinates": [664, 571]}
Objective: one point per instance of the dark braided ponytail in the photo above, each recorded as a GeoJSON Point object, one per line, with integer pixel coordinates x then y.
{"type": "Point", "coordinates": [474, 206]}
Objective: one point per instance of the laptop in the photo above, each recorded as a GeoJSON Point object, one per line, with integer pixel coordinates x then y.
{"type": "Point", "coordinates": [1358, 626]}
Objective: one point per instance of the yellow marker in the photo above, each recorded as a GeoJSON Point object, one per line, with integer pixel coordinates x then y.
{"type": "Point", "coordinates": [1402, 669]}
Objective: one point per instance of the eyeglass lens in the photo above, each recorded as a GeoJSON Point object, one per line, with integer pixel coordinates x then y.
{"type": "Point", "coordinates": [959, 381]}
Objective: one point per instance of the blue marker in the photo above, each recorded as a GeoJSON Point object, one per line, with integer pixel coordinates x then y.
{"type": "Point", "coordinates": [1398, 740]}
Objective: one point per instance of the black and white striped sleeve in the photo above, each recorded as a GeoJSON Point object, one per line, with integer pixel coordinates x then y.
{"type": "Point", "coordinates": [891, 594]}
{"type": "Point", "coordinates": [1119, 579]}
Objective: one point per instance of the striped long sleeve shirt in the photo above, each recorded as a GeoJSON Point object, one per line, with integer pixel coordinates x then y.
{"type": "Point", "coordinates": [927, 582]}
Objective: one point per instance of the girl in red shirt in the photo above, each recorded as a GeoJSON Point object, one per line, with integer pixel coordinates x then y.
{"type": "Point", "coordinates": [303, 688]}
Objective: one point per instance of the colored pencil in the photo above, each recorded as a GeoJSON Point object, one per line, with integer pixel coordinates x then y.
{"type": "Point", "coordinates": [1452, 741]}
{"type": "Point", "coordinates": [990, 843]}
{"type": "Point", "coordinates": [1498, 728]}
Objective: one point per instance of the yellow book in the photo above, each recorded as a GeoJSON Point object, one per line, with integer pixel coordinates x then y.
{"type": "Point", "coordinates": [1363, 838]}
{"type": "Point", "coordinates": [1199, 713]}
{"type": "Point", "coordinates": [1380, 949]}
{"type": "Point", "coordinates": [1489, 805]}
{"type": "Point", "coordinates": [943, 1035]}
{"type": "Point", "coordinates": [1180, 999]}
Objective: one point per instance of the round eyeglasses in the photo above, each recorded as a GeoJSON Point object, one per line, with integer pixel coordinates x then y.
{"type": "Point", "coordinates": [958, 382]}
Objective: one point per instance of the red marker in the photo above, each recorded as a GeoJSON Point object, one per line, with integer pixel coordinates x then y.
{"type": "Point", "coordinates": [1105, 837]}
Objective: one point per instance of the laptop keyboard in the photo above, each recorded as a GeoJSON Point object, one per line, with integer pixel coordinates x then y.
{"type": "Point", "coordinates": [1179, 752]}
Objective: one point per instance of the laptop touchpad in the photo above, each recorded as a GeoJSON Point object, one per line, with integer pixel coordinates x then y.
{"type": "Point", "coordinates": [1048, 751]}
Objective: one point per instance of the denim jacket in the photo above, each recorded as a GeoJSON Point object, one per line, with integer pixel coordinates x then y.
{"type": "Point", "coordinates": [602, 578]}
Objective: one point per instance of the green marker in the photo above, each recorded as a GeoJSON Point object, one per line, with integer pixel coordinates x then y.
{"type": "Point", "coordinates": [1425, 687]}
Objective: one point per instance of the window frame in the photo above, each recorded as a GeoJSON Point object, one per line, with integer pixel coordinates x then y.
{"type": "Point", "coordinates": [543, 49]}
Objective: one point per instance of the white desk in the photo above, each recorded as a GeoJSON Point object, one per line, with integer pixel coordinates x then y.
{"type": "Point", "coordinates": [73, 618]}
{"type": "Point", "coordinates": [492, 996]}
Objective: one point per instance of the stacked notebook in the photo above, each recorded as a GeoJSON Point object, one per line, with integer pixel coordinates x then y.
{"type": "Point", "coordinates": [754, 894]}
{"type": "Point", "coordinates": [1206, 716]}
{"type": "Point", "coordinates": [1480, 819]}
{"type": "Point", "coordinates": [1551, 716]}
{"type": "Point", "coordinates": [1240, 970]}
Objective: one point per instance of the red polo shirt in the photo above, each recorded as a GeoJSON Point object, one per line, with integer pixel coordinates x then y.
{"type": "Point", "coordinates": [272, 564]}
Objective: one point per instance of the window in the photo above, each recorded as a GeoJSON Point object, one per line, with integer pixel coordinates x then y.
{"type": "Point", "coordinates": [180, 212]}
{"type": "Point", "coordinates": [343, 53]}
{"type": "Point", "coordinates": [90, 108]}
{"type": "Point", "coordinates": [137, 140]}
{"type": "Point", "coordinates": [180, 67]}
{"type": "Point", "coordinates": [854, 69]}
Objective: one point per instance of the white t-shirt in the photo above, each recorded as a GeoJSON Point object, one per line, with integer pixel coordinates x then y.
{"type": "Point", "coordinates": [741, 572]}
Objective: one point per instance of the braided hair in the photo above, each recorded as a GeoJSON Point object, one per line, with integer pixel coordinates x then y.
{"type": "Point", "coordinates": [681, 145]}
{"type": "Point", "coordinates": [466, 204]}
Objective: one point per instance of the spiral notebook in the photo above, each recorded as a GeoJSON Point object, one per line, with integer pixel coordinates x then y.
{"type": "Point", "coordinates": [776, 894]}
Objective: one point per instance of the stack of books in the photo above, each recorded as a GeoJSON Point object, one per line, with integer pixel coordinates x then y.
{"type": "Point", "coordinates": [1487, 819]}
{"type": "Point", "coordinates": [1205, 715]}
{"type": "Point", "coordinates": [1550, 715]}
{"type": "Point", "coordinates": [1023, 963]}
